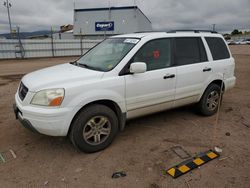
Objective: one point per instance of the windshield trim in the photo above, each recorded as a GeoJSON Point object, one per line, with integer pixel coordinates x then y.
{"type": "Point", "coordinates": [100, 43]}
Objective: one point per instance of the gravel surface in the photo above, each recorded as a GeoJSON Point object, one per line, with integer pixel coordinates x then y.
{"type": "Point", "coordinates": [142, 150]}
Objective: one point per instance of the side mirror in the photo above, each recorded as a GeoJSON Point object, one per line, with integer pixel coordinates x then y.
{"type": "Point", "coordinates": [138, 67]}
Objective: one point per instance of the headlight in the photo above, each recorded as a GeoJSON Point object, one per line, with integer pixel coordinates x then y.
{"type": "Point", "coordinates": [50, 97]}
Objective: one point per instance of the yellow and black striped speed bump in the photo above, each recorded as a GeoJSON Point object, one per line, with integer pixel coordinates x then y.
{"type": "Point", "coordinates": [193, 163]}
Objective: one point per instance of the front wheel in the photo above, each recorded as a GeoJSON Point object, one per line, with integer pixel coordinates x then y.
{"type": "Point", "coordinates": [210, 100]}
{"type": "Point", "coordinates": [94, 128]}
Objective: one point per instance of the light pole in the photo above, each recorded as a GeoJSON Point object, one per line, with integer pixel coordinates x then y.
{"type": "Point", "coordinates": [8, 6]}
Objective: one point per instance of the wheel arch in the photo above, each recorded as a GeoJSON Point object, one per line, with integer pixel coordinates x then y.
{"type": "Point", "coordinates": [109, 103]}
{"type": "Point", "coordinates": [218, 82]}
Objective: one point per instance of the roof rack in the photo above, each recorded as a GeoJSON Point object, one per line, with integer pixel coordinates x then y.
{"type": "Point", "coordinates": [147, 31]}
{"type": "Point", "coordinates": [190, 30]}
{"type": "Point", "coordinates": [182, 30]}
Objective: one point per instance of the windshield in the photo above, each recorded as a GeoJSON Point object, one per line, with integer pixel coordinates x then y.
{"type": "Point", "coordinates": [106, 55]}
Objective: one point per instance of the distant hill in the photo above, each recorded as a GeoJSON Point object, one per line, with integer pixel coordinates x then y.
{"type": "Point", "coordinates": [25, 35]}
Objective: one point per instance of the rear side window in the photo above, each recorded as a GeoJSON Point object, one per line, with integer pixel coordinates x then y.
{"type": "Point", "coordinates": [189, 50]}
{"type": "Point", "coordinates": [218, 48]}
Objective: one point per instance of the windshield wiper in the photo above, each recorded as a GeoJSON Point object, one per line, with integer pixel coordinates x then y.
{"type": "Point", "coordinates": [88, 67]}
{"type": "Point", "coordinates": [80, 65]}
{"type": "Point", "coordinates": [74, 63]}
{"type": "Point", "coordinates": [85, 66]}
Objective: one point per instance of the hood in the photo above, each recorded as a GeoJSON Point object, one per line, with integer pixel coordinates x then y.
{"type": "Point", "coordinates": [58, 75]}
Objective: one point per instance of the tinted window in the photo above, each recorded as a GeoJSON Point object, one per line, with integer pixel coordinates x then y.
{"type": "Point", "coordinates": [218, 48]}
{"type": "Point", "coordinates": [156, 54]}
{"type": "Point", "coordinates": [189, 50]}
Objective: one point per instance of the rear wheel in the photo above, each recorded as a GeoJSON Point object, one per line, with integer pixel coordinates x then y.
{"type": "Point", "coordinates": [94, 128]}
{"type": "Point", "coordinates": [210, 100]}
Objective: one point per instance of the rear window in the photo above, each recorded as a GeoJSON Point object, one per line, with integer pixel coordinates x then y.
{"type": "Point", "coordinates": [218, 48]}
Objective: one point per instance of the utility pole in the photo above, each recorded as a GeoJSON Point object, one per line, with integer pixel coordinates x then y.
{"type": "Point", "coordinates": [135, 8]}
{"type": "Point", "coordinates": [214, 27]}
{"type": "Point", "coordinates": [109, 18]}
{"type": "Point", "coordinates": [134, 2]}
{"type": "Point", "coordinates": [8, 6]}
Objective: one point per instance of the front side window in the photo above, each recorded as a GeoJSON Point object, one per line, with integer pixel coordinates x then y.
{"type": "Point", "coordinates": [189, 50]}
{"type": "Point", "coordinates": [156, 54]}
{"type": "Point", "coordinates": [218, 48]}
{"type": "Point", "coordinates": [107, 54]}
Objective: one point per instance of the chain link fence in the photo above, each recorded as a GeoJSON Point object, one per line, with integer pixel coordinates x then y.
{"type": "Point", "coordinates": [27, 48]}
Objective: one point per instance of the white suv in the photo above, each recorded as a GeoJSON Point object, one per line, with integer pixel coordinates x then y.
{"type": "Point", "coordinates": [124, 77]}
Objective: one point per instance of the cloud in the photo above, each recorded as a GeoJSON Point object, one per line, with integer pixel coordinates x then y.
{"type": "Point", "coordinates": [33, 15]}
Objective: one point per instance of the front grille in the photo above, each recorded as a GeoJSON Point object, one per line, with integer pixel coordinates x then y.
{"type": "Point", "coordinates": [22, 91]}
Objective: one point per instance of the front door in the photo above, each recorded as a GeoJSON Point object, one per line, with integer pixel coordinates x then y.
{"type": "Point", "coordinates": [153, 90]}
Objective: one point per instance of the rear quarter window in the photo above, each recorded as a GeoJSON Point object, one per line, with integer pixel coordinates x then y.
{"type": "Point", "coordinates": [217, 48]}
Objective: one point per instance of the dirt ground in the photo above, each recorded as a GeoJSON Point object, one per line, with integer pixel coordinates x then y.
{"type": "Point", "coordinates": [142, 150]}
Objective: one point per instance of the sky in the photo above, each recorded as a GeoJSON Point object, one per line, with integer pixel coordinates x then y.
{"type": "Point", "coordinates": [33, 15]}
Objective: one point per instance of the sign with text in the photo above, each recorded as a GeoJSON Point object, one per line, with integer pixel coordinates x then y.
{"type": "Point", "coordinates": [104, 26]}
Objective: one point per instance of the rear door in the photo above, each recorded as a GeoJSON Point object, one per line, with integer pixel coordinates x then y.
{"type": "Point", "coordinates": [189, 58]}
{"type": "Point", "coordinates": [222, 64]}
{"type": "Point", "coordinates": [153, 90]}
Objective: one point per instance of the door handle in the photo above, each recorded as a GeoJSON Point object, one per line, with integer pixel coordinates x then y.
{"type": "Point", "coordinates": [169, 76]}
{"type": "Point", "coordinates": [207, 69]}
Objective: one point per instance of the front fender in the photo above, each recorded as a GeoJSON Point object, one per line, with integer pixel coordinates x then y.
{"type": "Point", "coordinates": [78, 102]}
{"type": "Point", "coordinates": [96, 95]}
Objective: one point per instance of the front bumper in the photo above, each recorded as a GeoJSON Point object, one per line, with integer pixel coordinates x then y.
{"type": "Point", "coordinates": [48, 121]}
{"type": "Point", "coordinates": [26, 123]}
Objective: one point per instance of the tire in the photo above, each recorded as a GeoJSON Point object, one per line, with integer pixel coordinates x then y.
{"type": "Point", "coordinates": [94, 128]}
{"type": "Point", "coordinates": [208, 107]}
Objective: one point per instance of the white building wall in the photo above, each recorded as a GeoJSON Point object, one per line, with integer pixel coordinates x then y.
{"type": "Point", "coordinates": [63, 35]}
{"type": "Point", "coordinates": [125, 21]}
{"type": "Point", "coordinates": [143, 23]}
